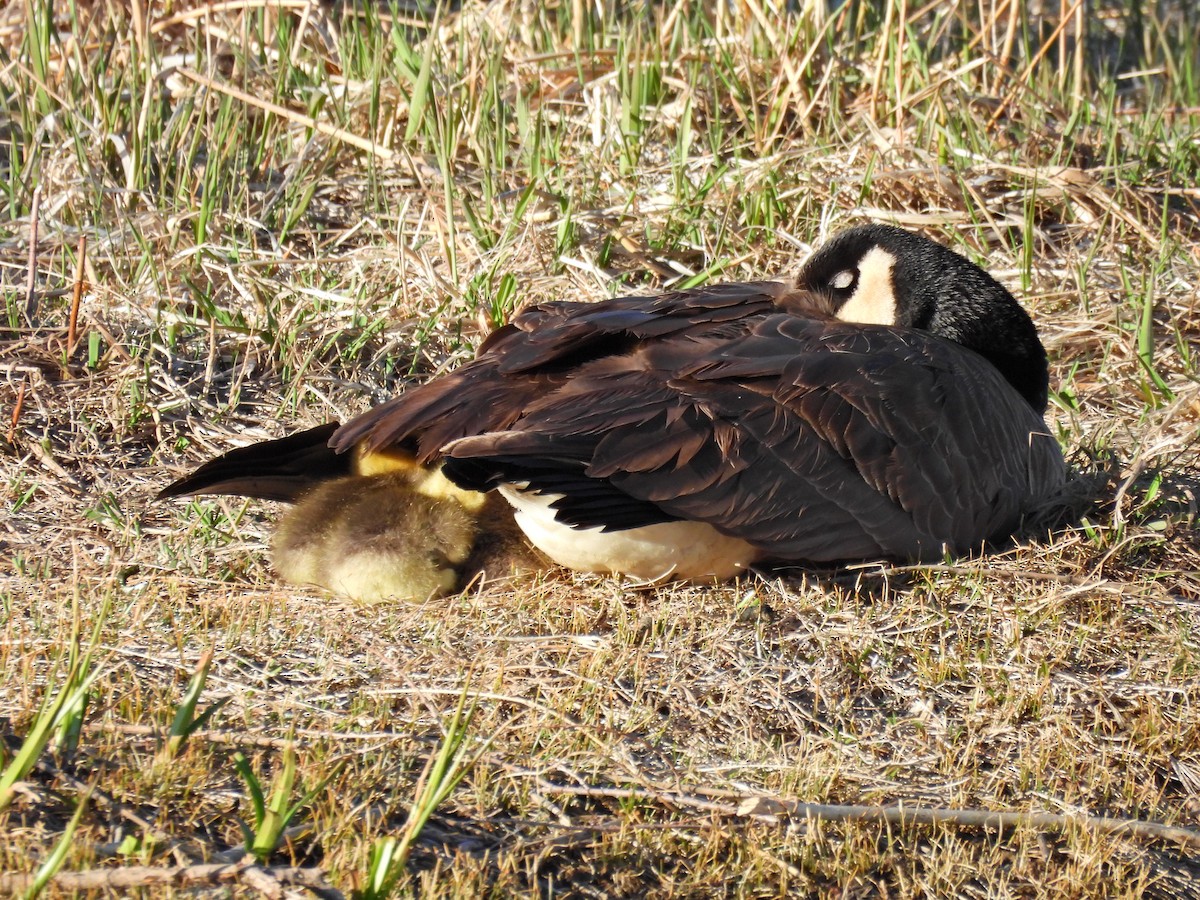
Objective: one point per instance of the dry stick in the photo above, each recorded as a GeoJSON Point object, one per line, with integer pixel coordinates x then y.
{"type": "Point", "coordinates": [341, 134]}
{"type": "Point", "coordinates": [998, 571]}
{"type": "Point", "coordinates": [301, 32]}
{"type": "Point", "coordinates": [185, 847]}
{"type": "Point", "coordinates": [763, 806]}
{"type": "Point", "coordinates": [249, 738]}
{"type": "Point", "coordinates": [986, 26]}
{"type": "Point", "coordinates": [577, 14]}
{"type": "Point", "coordinates": [1010, 37]}
{"type": "Point", "coordinates": [1037, 57]}
{"type": "Point", "coordinates": [209, 10]}
{"type": "Point", "coordinates": [189, 16]}
{"type": "Point", "coordinates": [268, 880]}
{"type": "Point", "coordinates": [16, 413]}
{"type": "Point", "coordinates": [31, 300]}
{"type": "Point", "coordinates": [76, 294]}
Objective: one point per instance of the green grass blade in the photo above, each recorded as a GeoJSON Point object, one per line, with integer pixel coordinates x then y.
{"type": "Point", "coordinates": [421, 91]}
{"type": "Point", "coordinates": [51, 865]}
{"type": "Point", "coordinates": [258, 802]}
{"type": "Point", "coordinates": [39, 734]}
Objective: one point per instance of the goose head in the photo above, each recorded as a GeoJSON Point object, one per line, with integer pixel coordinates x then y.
{"type": "Point", "coordinates": [881, 275]}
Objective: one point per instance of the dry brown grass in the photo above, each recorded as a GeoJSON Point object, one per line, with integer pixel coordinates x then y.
{"type": "Point", "coordinates": [246, 275]}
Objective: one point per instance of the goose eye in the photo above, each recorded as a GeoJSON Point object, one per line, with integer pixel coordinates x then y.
{"type": "Point", "coordinates": [843, 280]}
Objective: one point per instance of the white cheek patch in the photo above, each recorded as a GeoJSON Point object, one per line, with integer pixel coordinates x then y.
{"type": "Point", "coordinates": [874, 301]}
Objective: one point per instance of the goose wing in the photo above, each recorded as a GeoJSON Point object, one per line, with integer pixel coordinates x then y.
{"type": "Point", "coordinates": [878, 441]}
{"type": "Point", "coordinates": [538, 353]}
{"type": "Point", "coordinates": [810, 438]}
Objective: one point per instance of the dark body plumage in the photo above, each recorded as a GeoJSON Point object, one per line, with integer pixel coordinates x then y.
{"type": "Point", "coordinates": [753, 409]}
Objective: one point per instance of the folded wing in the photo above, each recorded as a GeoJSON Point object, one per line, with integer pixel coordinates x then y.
{"type": "Point", "coordinates": [812, 439]}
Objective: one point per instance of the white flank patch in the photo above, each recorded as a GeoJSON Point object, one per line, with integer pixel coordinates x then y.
{"type": "Point", "coordinates": [688, 550]}
{"type": "Point", "coordinates": [874, 300]}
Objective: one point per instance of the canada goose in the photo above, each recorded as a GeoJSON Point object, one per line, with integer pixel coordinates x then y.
{"type": "Point", "coordinates": [887, 402]}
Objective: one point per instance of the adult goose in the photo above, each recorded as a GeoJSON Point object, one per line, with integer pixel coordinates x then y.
{"type": "Point", "coordinates": [886, 402]}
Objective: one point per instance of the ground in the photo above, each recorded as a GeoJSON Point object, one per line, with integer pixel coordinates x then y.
{"type": "Point", "coordinates": [289, 211]}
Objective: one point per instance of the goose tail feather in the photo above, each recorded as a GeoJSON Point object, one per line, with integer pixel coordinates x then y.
{"type": "Point", "coordinates": [283, 469]}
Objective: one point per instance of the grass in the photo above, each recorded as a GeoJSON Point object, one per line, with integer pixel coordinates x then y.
{"type": "Point", "coordinates": [283, 213]}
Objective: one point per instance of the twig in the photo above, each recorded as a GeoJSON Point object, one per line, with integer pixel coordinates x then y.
{"type": "Point", "coordinates": [762, 806]}
{"type": "Point", "coordinates": [190, 16]}
{"type": "Point", "coordinates": [341, 134]}
{"type": "Point", "coordinates": [1037, 58]}
{"type": "Point", "coordinates": [234, 857]}
{"type": "Point", "coordinates": [990, 570]}
{"type": "Point", "coordinates": [76, 294]}
{"type": "Point", "coordinates": [247, 738]}
{"type": "Point", "coordinates": [1010, 36]}
{"type": "Point", "coordinates": [138, 11]}
{"type": "Point", "coordinates": [114, 344]}
{"type": "Point", "coordinates": [267, 880]}
{"type": "Point", "coordinates": [16, 412]}
{"type": "Point", "coordinates": [43, 456]}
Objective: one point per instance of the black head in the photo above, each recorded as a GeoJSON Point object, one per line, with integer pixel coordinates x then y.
{"type": "Point", "coordinates": [881, 275]}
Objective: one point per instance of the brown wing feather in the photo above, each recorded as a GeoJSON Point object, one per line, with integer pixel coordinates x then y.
{"type": "Point", "coordinates": [544, 343]}
{"type": "Point", "coordinates": [283, 469]}
{"type": "Point", "coordinates": [929, 428]}
{"type": "Point", "coordinates": [810, 438]}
